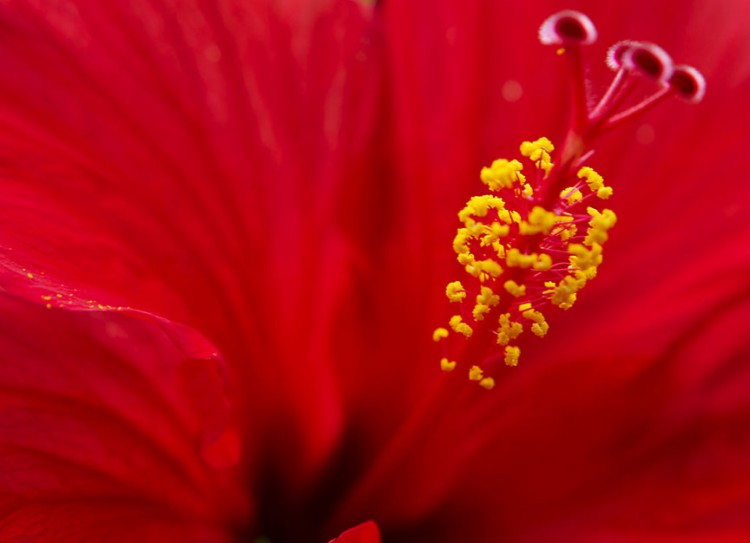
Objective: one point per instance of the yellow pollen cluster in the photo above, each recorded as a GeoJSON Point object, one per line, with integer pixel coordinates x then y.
{"type": "Point", "coordinates": [521, 254]}
{"type": "Point", "coordinates": [539, 153]}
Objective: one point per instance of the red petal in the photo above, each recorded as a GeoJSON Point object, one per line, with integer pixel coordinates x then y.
{"type": "Point", "coordinates": [364, 533]}
{"type": "Point", "coordinates": [186, 160]}
{"type": "Point", "coordinates": [111, 423]}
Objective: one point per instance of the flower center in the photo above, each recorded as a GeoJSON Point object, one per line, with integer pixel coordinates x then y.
{"type": "Point", "coordinates": [533, 242]}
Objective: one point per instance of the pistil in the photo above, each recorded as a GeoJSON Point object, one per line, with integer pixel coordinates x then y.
{"type": "Point", "coordinates": [535, 241]}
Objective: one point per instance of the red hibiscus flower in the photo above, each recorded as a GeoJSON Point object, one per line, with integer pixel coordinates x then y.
{"type": "Point", "coordinates": [226, 236]}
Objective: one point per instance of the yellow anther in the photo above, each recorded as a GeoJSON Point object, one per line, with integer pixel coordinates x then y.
{"type": "Point", "coordinates": [487, 296]}
{"type": "Point", "coordinates": [479, 311]}
{"type": "Point", "coordinates": [508, 216]}
{"type": "Point", "coordinates": [539, 221]}
{"type": "Point", "coordinates": [543, 262]}
{"type": "Point", "coordinates": [511, 355]}
{"type": "Point", "coordinates": [473, 228]}
{"type": "Point", "coordinates": [585, 259]}
{"type": "Point", "coordinates": [595, 235]}
{"type": "Point", "coordinates": [593, 179]}
{"type": "Point", "coordinates": [466, 259]}
{"type": "Point", "coordinates": [528, 191]}
{"type": "Point", "coordinates": [475, 373]}
{"type": "Point", "coordinates": [494, 232]}
{"type": "Point", "coordinates": [499, 249]}
{"type": "Point", "coordinates": [508, 330]}
{"type": "Point", "coordinates": [516, 259]}
{"type": "Point", "coordinates": [540, 326]}
{"type": "Point", "coordinates": [488, 383]}
{"type": "Point", "coordinates": [447, 365]}
{"type": "Point", "coordinates": [489, 268]}
{"type": "Point", "coordinates": [486, 300]}
{"type": "Point", "coordinates": [532, 314]}
{"type": "Point", "coordinates": [460, 241]}
{"type": "Point", "coordinates": [514, 289]}
{"type": "Point", "coordinates": [568, 232]}
{"type": "Point", "coordinates": [543, 219]}
{"type": "Point", "coordinates": [540, 329]}
{"type": "Point", "coordinates": [479, 206]}
{"type": "Point", "coordinates": [604, 193]}
{"type": "Point", "coordinates": [439, 333]}
{"type": "Point", "coordinates": [571, 195]}
{"type": "Point", "coordinates": [539, 152]}
{"type": "Point", "coordinates": [595, 182]}
{"type": "Point", "coordinates": [459, 326]}
{"type": "Point", "coordinates": [605, 219]}
{"type": "Point", "coordinates": [563, 294]}
{"type": "Point", "coordinates": [599, 224]}
{"type": "Point", "coordinates": [502, 174]}
{"type": "Point", "coordinates": [455, 291]}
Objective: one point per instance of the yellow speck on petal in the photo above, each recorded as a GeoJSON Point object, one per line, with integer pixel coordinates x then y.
{"type": "Point", "coordinates": [447, 365]}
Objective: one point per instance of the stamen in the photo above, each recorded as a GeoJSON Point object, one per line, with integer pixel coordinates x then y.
{"type": "Point", "coordinates": [521, 257]}
{"type": "Point", "coordinates": [536, 240]}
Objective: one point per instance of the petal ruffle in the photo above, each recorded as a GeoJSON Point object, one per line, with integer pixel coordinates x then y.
{"type": "Point", "coordinates": [115, 426]}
